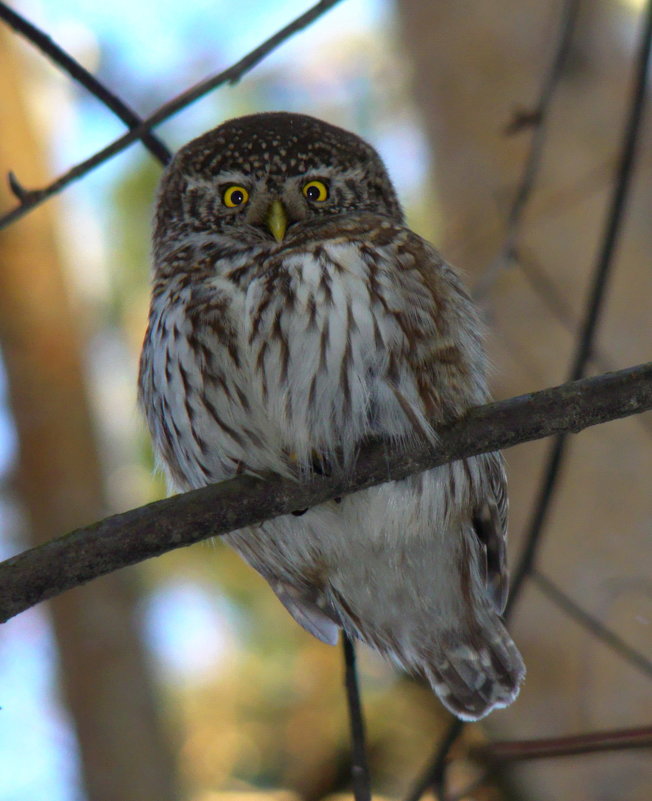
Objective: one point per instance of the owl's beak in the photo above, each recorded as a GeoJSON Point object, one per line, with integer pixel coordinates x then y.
{"type": "Point", "coordinates": [277, 220]}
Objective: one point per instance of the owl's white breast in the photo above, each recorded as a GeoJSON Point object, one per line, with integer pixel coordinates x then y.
{"type": "Point", "coordinates": [319, 345]}
{"type": "Point", "coordinates": [303, 358]}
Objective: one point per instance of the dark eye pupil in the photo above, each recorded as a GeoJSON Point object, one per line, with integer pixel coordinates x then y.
{"type": "Point", "coordinates": [313, 193]}
{"type": "Point", "coordinates": [236, 197]}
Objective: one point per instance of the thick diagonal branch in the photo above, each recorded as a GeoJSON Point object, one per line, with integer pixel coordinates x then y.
{"type": "Point", "coordinates": [124, 539]}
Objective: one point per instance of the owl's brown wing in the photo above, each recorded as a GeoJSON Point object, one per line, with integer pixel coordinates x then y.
{"type": "Point", "coordinates": [448, 361]}
{"type": "Point", "coordinates": [490, 525]}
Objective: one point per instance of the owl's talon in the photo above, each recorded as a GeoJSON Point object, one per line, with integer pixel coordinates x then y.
{"type": "Point", "coordinates": [320, 465]}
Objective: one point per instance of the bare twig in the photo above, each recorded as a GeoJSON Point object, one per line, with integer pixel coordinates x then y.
{"type": "Point", "coordinates": [553, 203]}
{"type": "Point", "coordinates": [16, 187]}
{"type": "Point", "coordinates": [592, 624]}
{"type": "Point", "coordinates": [495, 755]}
{"type": "Point", "coordinates": [433, 777]}
{"type": "Point", "coordinates": [539, 121]}
{"type": "Point", "coordinates": [545, 288]}
{"type": "Point", "coordinates": [591, 743]}
{"type": "Point", "coordinates": [230, 75]}
{"type": "Point", "coordinates": [78, 73]}
{"type": "Point", "coordinates": [359, 767]}
{"type": "Point", "coordinates": [84, 554]}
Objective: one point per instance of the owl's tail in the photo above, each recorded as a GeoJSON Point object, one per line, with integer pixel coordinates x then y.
{"type": "Point", "coordinates": [473, 669]}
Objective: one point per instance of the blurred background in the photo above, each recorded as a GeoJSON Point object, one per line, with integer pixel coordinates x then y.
{"type": "Point", "coordinates": [184, 677]}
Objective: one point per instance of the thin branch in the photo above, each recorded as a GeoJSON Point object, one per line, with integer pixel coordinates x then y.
{"type": "Point", "coordinates": [231, 75]}
{"type": "Point", "coordinates": [78, 73]}
{"type": "Point", "coordinates": [124, 539]}
{"type": "Point", "coordinates": [433, 777]}
{"type": "Point", "coordinates": [592, 624]}
{"type": "Point", "coordinates": [553, 299]}
{"type": "Point", "coordinates": [359, 766]}
{"type": "Point", "coordinates": [494, 755]}
{"type": "Point", "coordinates": [553, 203]}
{"type": "Point", "coordinates": [594, 742]}
{"type": "Point", "coordinates": [595, 302]}
{"type": "Point", "coordinates": [539, 119]}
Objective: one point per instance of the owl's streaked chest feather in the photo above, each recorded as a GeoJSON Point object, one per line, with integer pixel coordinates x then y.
{"type": "Point", "coordinates": [292, 353]}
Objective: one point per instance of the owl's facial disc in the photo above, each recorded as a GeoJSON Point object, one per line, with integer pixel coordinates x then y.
{"type": "Point", "coordinates": [265, 176]}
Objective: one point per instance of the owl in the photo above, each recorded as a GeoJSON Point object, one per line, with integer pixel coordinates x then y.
{"type": "Point", "coordinates": [293, 316]}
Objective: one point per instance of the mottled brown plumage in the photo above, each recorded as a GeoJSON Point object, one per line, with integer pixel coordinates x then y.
{"type": "Point", "coordinates": [293, 315]}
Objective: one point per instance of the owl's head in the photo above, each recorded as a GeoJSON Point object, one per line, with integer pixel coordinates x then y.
{"type": "Point", "coordinates": [264, 176]}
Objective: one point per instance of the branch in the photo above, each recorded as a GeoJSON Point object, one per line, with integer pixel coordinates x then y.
{"type": "Point", "coordinates": [592, 624]}
{"type": "Point", "coordinates": [538, 117]}
{"type": "Point", "coordinates": [553, 298]}
{"type": "Point", "coordinates": [78, 73]}
{"type": "Point", "coordinates": [615, 740]}
{"type": "Point", "coordinates": [35, 197]}
{"type": "Point", "coordinates": [434, 776]}
{"type": "Point", "coordinates": [359, 768]}
{"type": "Point", "coordinates": [139, 534]}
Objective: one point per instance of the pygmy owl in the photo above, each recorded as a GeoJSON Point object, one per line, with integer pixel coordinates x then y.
{"type": "Point", "coordinates": [293, 316]}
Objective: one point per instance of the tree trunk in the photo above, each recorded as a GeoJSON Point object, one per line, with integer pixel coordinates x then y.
{"type": "Point", "coordinates": [103, 670]}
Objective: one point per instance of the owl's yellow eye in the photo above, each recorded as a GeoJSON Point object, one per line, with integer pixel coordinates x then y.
{"type": "Point", "coordinates": [316, 191]}
{"type": "Point", "coordinates": [235, 196]}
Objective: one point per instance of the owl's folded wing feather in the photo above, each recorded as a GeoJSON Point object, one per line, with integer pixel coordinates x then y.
{"type": "Point", "coordinates": [490, 525]}
{"type": "Point", "coordinates": [448, 364]}
{"type": "Point", "coordinates": [307, 612]}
